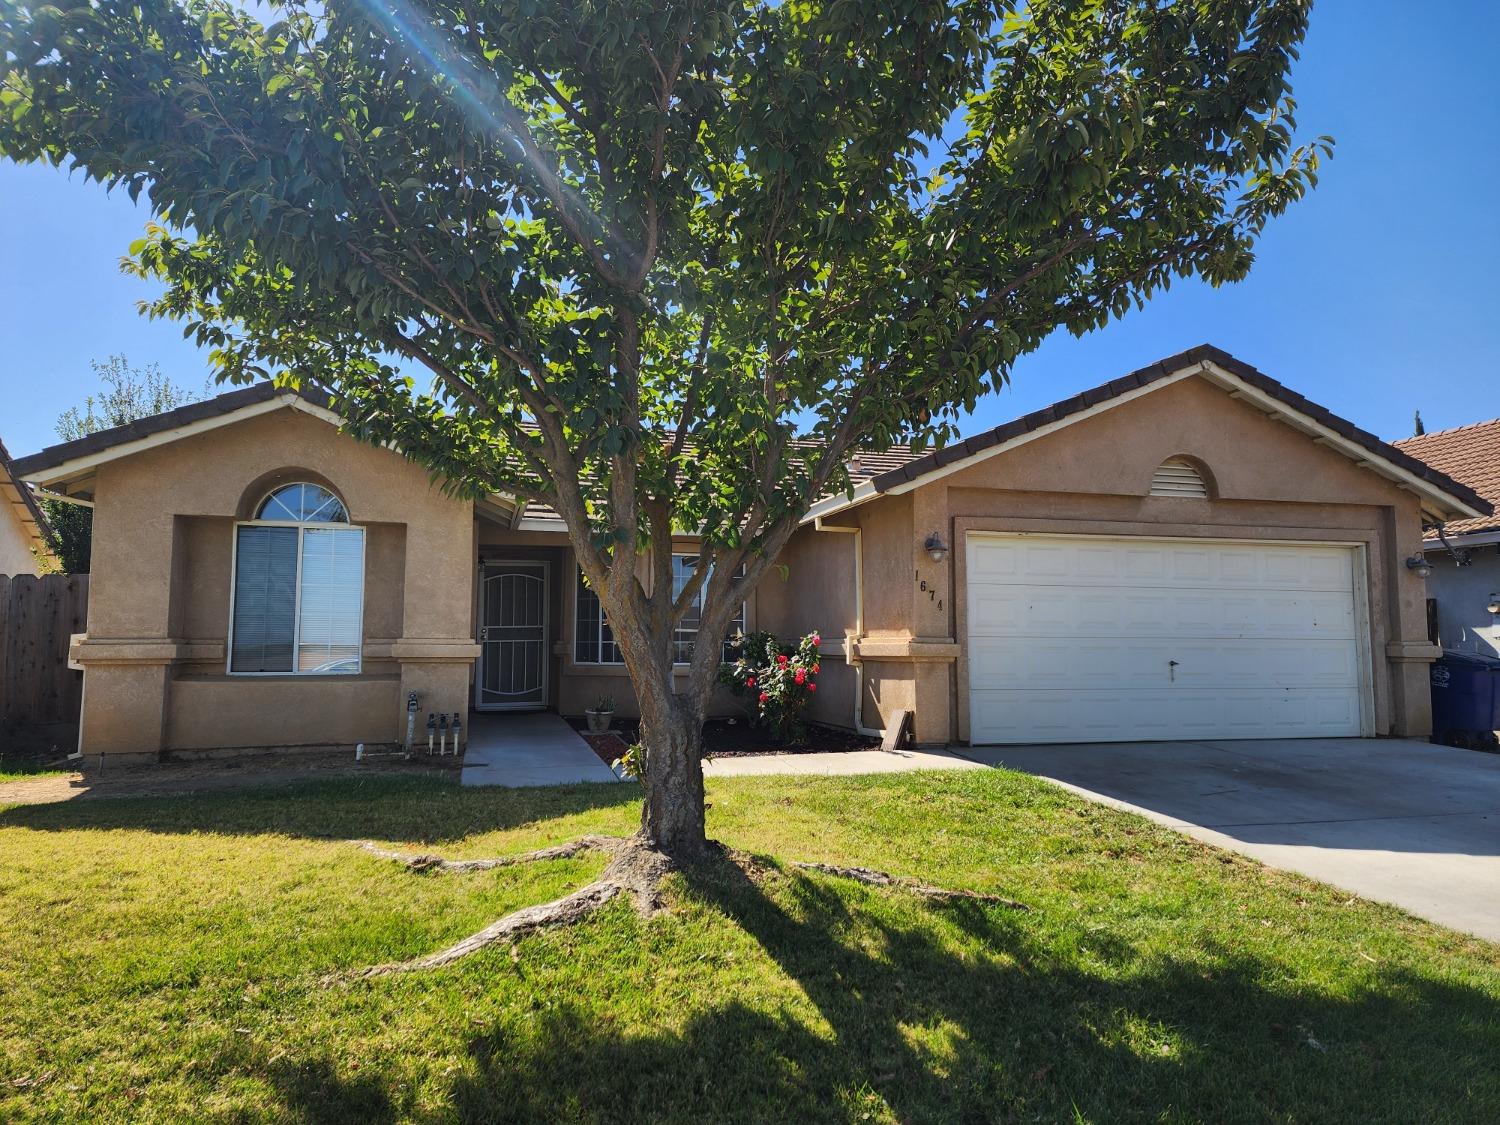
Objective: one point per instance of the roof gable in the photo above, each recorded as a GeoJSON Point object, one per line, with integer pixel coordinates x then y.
{"type": "Point", "coordinates": [1441, 495]}
{"type": "Point", "coordinates": [60, 465]}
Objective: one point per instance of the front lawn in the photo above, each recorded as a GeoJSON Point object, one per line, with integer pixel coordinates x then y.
{"type": "Point", "coordinates": [168, 959]}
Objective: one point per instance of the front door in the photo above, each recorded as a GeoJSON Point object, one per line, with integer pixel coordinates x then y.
{"type": "Point", "coordinates": [512, 637]}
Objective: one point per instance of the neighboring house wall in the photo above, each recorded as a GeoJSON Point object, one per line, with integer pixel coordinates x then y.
{"type": "Point", "coordinates": [1463, 595]}
{"type": "Point", "coordinates": [15, 544]}
{"type": "Point", "coordinates": [155, 654]}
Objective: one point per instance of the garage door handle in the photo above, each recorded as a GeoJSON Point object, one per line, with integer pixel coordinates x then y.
{"type": "Point", "coordinates": [1172, 671]}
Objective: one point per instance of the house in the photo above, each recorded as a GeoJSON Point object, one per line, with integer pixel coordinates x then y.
{"type": "Point", "coordinates": [23, 528]}
{"type": "Point", "coordinates": [1190, 551]}
{"type": "Point", "coordinates": [1467, 596]}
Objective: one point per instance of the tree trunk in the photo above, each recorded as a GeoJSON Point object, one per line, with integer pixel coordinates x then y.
{"type": "Point", "coordinates": [672, 819]}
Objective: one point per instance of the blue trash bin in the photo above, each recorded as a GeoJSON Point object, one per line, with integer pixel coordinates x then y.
{"type": "Point", "coordinates": [1465, 698]}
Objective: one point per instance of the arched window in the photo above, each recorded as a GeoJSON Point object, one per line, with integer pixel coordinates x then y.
{"type": "Point", "coordinates": [1177, 476]}
{"type": "Point", "coordinates": [298, 586]}
{"type": "Point", "coordinates": [302, 503]}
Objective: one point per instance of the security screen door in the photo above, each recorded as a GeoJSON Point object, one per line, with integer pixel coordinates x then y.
{"type": "Point", "coordinates": [512, 637]}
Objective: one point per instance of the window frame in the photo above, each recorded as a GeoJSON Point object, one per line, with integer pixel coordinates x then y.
{"type": "Point", "coordinates": [302, 529]}
{"type": "Point", "coordinates": [578, 588]}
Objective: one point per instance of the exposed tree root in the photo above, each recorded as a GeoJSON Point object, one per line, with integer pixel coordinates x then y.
{"type": "Point", "coordinates": [926, 890]}
{"type": "Point", "coordinates": [636, 870]}
{"type": "Point", "coordinates": [438, 863]}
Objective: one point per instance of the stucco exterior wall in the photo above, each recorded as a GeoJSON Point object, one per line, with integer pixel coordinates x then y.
{"type": "Point", "coordinates": [155, 655]}
{"type": "Point", "coordinates": [1268, 482]}
{"type": "Point", "coordinates": [164, 524]}
{"type": "Point", "coordinates": [15, 544]}
{"type": "Point", "coordinates": [1463, 595]}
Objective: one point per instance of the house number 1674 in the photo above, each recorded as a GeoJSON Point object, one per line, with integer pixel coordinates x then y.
{"type": "Point", "coordinates": [930, 591]}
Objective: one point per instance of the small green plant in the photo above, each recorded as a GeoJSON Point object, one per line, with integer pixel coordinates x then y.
{"type": "Point", "coordinates": [605, 703]}
{"type": "Point", "coordinates": [632, 763]}
{"type": "Point", "coordinates": [779, 679]}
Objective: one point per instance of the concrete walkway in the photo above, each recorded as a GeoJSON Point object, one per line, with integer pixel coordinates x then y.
{"type": "Point", "coordinates": [841, 764]}
{"type": "Point", "coordinates": [530, 748]}
{"type": "Point", "coordinates": [1394, 820]}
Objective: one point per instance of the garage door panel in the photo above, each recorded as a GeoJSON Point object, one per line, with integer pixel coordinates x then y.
{"type": "Point", "coordinates": [1051, 611]}
{"type": "Point", "coordinates": [1162, 565]}
{"type": "Point", "coordinates": [1146, 663]}
{"type": "Point", "coordinates": [1136, 716]}
{"type": "Point", "coordinates": [1075, 639]}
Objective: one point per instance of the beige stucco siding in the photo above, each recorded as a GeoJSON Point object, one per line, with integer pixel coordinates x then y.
{"type": "Point", "coordinates": [1270, 482]}
{"type": "Point", "coordinates": [15, 543]}
{"type": "Point", "coordinates": [155, 658]}
{"type": "Point", "coordinates": [164, 531]}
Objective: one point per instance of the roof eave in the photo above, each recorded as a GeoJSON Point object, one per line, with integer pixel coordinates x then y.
{"type": "Point", "coordinates": [1240, 379]}
{"type": "Point", "coordinates": [61, 468]}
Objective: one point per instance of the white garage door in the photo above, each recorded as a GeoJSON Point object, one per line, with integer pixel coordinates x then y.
{"type": "Point", "coordinates": [1088, 639]}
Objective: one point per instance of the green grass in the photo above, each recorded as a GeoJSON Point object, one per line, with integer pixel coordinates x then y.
{"type": "Point", "coordinates": [13, 772]}
{"type": "Point", "coordinates": [164, 960]}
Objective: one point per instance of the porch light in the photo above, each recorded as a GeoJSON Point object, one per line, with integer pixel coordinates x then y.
{"type": "Point", "coordinates": [936, 549]}
{"type": "Point", "coordinates": [1419, 564]}
{"type": "Point", "coordinates": [1494, 606]}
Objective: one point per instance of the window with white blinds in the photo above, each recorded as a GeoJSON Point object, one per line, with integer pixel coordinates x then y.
{"type": "Point", "coordinates": [1177, 477]}
{"type": "Point", "coordinates": [298, 597]}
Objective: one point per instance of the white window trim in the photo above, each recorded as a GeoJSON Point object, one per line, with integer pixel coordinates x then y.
{"type": "Point", "coordinates": [744, 616]}
{"type": "Point", "coordinates": [302, 528]}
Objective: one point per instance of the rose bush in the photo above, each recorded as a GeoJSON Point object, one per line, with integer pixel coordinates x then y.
{"type": "Point", "coordinates": [779, 678]}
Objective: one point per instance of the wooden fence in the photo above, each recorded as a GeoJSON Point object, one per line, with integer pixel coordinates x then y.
{"type": "Point", "coordinates": [40, 696]}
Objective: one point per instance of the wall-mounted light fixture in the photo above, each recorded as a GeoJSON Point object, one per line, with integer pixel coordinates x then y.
{"type": "Point", "coordinates": [1494, 606]}
{"type": "Point", "coordinates": [937, 550]}
{"type": "Point", "coordinates": [1419, 564]}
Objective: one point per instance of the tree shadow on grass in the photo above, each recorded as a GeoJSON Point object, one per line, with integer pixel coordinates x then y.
{"type": "Point", "coordinates": [425, 810]}
{"type": "Point", "coordinates": [314, 1091]}
{"type": "Point", "coordinates": [983, 1021]}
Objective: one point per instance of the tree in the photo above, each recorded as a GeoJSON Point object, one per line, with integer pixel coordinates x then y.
{"type": "Point", "coordinates": [665, 263]}
{"type": "Point", "coordinates": [130, 393]}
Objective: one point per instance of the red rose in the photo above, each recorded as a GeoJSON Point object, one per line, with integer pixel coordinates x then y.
{"type": "Point", "coordinates": [781, 658]}
{"type": "Point", "coordinates": [800, 676]}
{"type": "Point", "coordinates": [749, 681]}
{"type": "Point", "coordinates": [812, 687]}
{"type": "Point", "coordinates": [764, 697]}
{"type": "Point", "coordinates": [816, 640]}
{"type": "Point", "coordinates": [817, 668]}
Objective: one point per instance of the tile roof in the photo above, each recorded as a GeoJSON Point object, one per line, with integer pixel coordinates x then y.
{"type": "Point", "coordinates": [1470, 454]}
{"type": "Point", "coordinates": [899, 465]}
{"type": "Point", "coordinates": [101, 440]}
{"type": "Point", "coordinates": [1077, 404]}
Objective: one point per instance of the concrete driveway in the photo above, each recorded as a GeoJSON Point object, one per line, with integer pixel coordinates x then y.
{"type": "Point", "coordinates": [1395, 820]}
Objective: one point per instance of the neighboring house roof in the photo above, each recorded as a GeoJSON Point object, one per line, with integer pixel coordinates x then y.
{"type": "Point", "coordinates": [1470, 454]}
{"type": "Point", "coordinates": [892, 471]}
{"type": "Point", "coordinates": [16, 496]}
{"type": "Point", "coordinates": [1441, 494]}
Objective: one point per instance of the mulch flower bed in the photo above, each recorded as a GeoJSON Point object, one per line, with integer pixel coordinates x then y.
{"type": "Point", "coordinates": [728, 738]}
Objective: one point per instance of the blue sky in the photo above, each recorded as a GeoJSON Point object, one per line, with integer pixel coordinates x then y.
{"type": "Point", "coordinates": [1376, 296]}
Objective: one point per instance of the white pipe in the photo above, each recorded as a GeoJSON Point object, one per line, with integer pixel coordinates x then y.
{"type": "Point", "coordinates": [851, 640]}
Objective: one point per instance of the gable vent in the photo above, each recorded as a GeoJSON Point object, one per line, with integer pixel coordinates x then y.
{"type": "Point", "coordinates": [1176, 477]}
